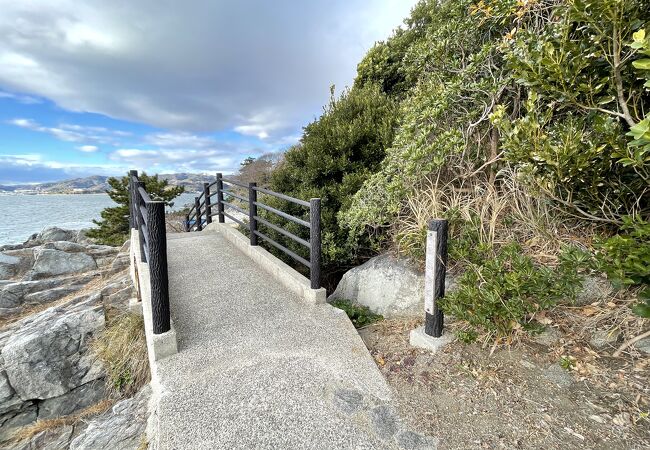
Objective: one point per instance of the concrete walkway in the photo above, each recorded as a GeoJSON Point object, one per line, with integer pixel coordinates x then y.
{"type": "Point", "coordinates": [258, 368]}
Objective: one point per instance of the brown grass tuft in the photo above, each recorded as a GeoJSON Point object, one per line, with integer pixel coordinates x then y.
{"type": "Point", "coordinates": [30, 431]}
{"type": "Point", "coordinates": [122, 348]}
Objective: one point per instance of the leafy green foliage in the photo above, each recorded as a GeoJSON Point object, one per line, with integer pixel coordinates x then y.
{"type": "Point", "coordinates": [113, 228]}
{"type": "Point", "coordinates": [502, 293]}
{"type": "Point", "coordinates": [625, 257]}
{"type": "Point", "coordinates": [335, 156]}
{"type": "Point", "coordinates": [360, 315]}
{"type": "Point", "coordinates": [583, 96]}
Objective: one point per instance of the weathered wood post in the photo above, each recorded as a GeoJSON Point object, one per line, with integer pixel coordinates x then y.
{"type": "Point", "coordinates": [222, 219]}
{"type": "Point", "coordinates": [434, 281]}
{"type": "Point", "coordinates": [158, 267]}
{"type": "Point", "coordinates": [187, 222]}
{"type": "Point", "coordinates": [314, 242]}
{"type": "Point", "coordinates": [139, 202]}
{"type": "Point", "coordinates": [197, 206]}
{"type": "Point", "coordinates": [132, 198]}
{"type": "Point", "coordinates": [252, 212]}
{"type": "Point", "coordinates": [208, 206]}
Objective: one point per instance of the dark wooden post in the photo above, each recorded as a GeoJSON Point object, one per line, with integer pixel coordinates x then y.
{"type": "Point", "coordinates": [222, 219]}
{"type": "Point", "coordinates": [314, 242]}
{"type": "Point", "coordinates": [132, 197]}
{"type": "Point", "coordinates": [252, 212]}
{"type": "Point", "coordinates": [208, 206]}
{"type": "Point", "coordinates": [434, 277]}
{"type": "Point", "coordinates": [187, 222]}
{"type": "Point", "coordinates": [139, 201]}
{"type": "Point", "coordinates": [158, 267]}
{"type": "Point", "coordinates": [197, 206]}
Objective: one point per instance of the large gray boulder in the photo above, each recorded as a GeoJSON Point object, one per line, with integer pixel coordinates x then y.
{"type": "Point", "coordinates": [386, 285]}
{"type": "Point", "coordinates": [50, 262]}
{"type": "Point", "coordinates": [47, 356]}
{"type": "Point", "coordinates": [120, 429]}
{"type": "Point", "coordinates": [8, 266]}
{"type": "Point", "coordinates": [75, 400]}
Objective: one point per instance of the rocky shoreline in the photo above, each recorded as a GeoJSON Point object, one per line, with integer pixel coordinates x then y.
{"type": "Point", "coordinates": [56, 292]}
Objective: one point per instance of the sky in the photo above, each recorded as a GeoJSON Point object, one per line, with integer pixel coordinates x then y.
{"type": "Point", "coordinates": [98, 88]}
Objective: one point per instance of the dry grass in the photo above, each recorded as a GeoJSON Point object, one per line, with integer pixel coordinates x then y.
{"type": "Point", "coordinates": [499, 213]}
{"type": "Point", "coordinates": [30, 431]}
{"type": "Point", "coordinates": [122, 348]}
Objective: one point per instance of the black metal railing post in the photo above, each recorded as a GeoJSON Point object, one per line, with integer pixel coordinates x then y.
{"type": "Point", "coordinates": [222, 219]}
{"type": "Point", "coordinates": [132, 198]}
{"type": "Point", "coordinates": [187, 223]}
{"type": "Point", "coordinates": [197, 214]}
{"type": "Point", "coordinates": [314, 242]}
{"type": "Point", "coordinates": [158, 267]}
{"type": "Point", "coordinates": [252, 212]}
{"type": "Point", "coordinates": [139, 201]}
{"type": "Point", "coordinates": [208, 206]}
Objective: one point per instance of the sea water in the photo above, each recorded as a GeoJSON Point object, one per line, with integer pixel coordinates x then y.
{"type": "Point", "coordinates": [23, 215]}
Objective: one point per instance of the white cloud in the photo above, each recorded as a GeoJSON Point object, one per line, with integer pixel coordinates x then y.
{"type": "Point", "coordinates": [202, 65]}
{"type": "Point", "coordinates": [88, 148]}
{"type": "Point", "coordinates": [24, 99]}
{"type": "Point", "coordinates": [73, 133]}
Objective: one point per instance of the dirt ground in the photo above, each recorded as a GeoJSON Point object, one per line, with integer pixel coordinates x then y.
{"type": "Point", "coordinates": [552, 391]}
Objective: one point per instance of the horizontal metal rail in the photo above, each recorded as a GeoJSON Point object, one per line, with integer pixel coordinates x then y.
{"type": "Point", "coordinates": [238, 197]}
{"type": "Point", "coordinates": [235, 183]}
{"type": "Point", "coordinates": [283, 231]}
{"type": "Point", "coordinates": [143, 213]}
{"type": "Point", "coordinates": [236, 208]}
{"type": "Point", "coordinates": [283, 214]}
{"type": "Point", "coordinates": [143, 194]}
{"type": "Point", "coordinates": [233, 219]}
{"type": "Point", "coordinates": [213, 204]}
{"type": "Point", "coordinates": [281, 247]}
{"type": "Point", "coordinates": [282, 196]}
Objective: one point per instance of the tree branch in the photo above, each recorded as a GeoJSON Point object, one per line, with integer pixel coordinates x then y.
{"type": "Point", "coordinates": [618, 80]}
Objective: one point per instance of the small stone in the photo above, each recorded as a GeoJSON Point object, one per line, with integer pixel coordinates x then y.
{"type": "Point", "coordinates": [549, 337]}
{"type": "Point", "coordinates": [348, 400]}
{"type": "Point", "coordinates": [643, 345]}
{"type": "Point", "coordinates": [558, 375]}
{"type": "Point", "coordinates": [597, 418]}
{"type": "Point", "coordinates": [384, 420]}
{"type": "Point", "coordinates": [409, 440]}
{"type": "Point", "coordinates": [602, 338]}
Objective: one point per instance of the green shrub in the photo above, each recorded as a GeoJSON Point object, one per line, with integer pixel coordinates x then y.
{"type": "Point", "coordinates": [359, 315]}
{"type": "Point", "coordinates": [503, 292]}
{"type": "Point", "coordinates": [336, 155]}
{"type": "Point", "coordinates": [113, 228]}
{"type": "Point", "coordinates": [625, 258]}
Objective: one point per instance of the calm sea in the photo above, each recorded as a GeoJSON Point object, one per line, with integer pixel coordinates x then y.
{"type": "Point", "coordinates": [23, 215]}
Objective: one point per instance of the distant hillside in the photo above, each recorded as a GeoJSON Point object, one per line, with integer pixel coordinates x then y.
{"type": "Point", "coordinates": [98, 184]}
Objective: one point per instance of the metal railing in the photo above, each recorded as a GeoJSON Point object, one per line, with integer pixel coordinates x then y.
{"type": "Point", "coordinates": [201, 213]}
{"type": "Point", "coordinates": [148, 217]}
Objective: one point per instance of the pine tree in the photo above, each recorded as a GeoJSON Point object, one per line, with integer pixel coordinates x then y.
{"type": "Point", "coordinates": [113, 228]}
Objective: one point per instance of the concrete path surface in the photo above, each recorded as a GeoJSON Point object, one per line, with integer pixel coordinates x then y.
{"type": "Point", "coordinates": [258, 368]}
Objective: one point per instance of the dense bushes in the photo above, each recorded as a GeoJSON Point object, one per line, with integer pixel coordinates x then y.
{"type": "Point", "coordinates": [526, 124]}
{"type": "Point", "coordinates": [335, 156]}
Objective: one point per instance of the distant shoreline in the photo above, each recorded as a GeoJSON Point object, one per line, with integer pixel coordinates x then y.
{"type": "Point", "coordinates": [8, 193]}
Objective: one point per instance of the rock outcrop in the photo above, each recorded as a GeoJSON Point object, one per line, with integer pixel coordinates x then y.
{"type": "Point", "coordinates": [120, 429]}
{"type": "Point", "coordinates": [46, 367]}
{"type": "Point", "coordinates": [47, 268]}
{"type": "Point", "coordinates": [387, 286]}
